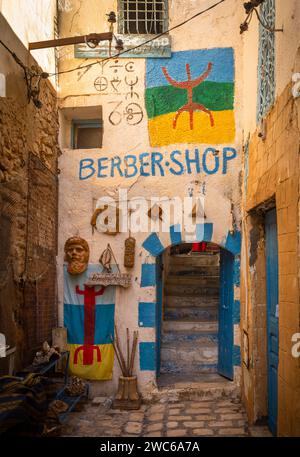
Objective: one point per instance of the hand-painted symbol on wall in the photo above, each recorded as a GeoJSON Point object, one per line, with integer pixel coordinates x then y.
{"type": "Point", "coordinates": [116, 66]}
{"type": "Point", "coordinates": [134, 114]}
{"type": "Point", "coordinates": [189, 85]}
{"type": "Point", "coordinates": [115, 83]}
{"type": "Point", "coordinates": [120, 81]}
{"type": "Point", "coordinates": [89, 347]}
{"type": "Point", "coordinates": [115, 117]}
{"type": "Point", "coordinates": [129, 67]}
{"type": "Point", "coordinates": [101, 84]}
{"type": "Point", "coordinates": [131, 83]}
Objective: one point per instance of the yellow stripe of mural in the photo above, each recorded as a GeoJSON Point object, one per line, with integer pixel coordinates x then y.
{"type": "Point", "coordinates": [162, 133]}
{"type": "Point", "coordinates": [97, 370]}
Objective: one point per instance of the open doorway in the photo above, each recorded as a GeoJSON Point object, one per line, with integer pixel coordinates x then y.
{"type": "Point", "coordinates": [195, 329]}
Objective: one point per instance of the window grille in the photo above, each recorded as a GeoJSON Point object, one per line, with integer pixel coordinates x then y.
{"type": "Point", "coordinates": [266, 60]}
{"type": "Point", "coordinates": [143, 17]}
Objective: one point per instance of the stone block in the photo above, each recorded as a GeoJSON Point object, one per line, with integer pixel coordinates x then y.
{"type": "Point", "coordinates": [237, 431]}
{"type": "Point", "coordinates": [177, 432]}
{"type": "Point", "coordinates": [172, 424]}
{"type": "Point", "coordinates": [202, 432]}
{"type": "Point", "coordinates": [134, 428]}
{"type": "Point", "coordinates": [155, 417]}
{"type": "Point", "coordinates": [193, 424]}
{"type": "Point", "coordinates": [154, 427]}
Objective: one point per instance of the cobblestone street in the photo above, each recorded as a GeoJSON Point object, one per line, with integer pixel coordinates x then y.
{"type": "Point", "coordinates": [207, 417]}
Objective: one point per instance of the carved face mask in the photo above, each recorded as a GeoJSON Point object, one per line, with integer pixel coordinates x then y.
{"type": "Point", "coordinates": [77, 256]}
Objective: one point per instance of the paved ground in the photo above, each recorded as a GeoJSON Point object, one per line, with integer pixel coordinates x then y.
{"type": "Point", "coordinates": [207, 417]}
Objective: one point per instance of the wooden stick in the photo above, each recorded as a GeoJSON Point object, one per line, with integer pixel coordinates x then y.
{"type": "Point", "coordinates": [120, 352]}
{"type": "Point", "coordinates": [134, 344]}
{"type": "Point", "coordinates": [128, 342]}
{"type": "Point", "coordinates": [118, 357]}
{"type": "Point", "coordinates": [70, 40]}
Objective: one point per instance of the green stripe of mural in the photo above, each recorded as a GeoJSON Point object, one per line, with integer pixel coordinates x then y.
{"type": "Point", "coordinates": [168, 99]}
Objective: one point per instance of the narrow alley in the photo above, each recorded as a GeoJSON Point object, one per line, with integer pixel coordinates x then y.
{"type": "Point", "coordinates": [150, 219]}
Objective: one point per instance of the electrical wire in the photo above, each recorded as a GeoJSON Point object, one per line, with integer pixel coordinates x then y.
{"type": "Point", "coordinates": [80, 67]}
{"type": "Point", "coordinates": [249, 11]}
{"type": "Point", "coordinates": [141, 44]}
{"type": "Point", "coordinates": [15, 57]}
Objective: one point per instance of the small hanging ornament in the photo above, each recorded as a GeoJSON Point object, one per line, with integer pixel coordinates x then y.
{"type": "Point", "coordinates": [129, 252]}
{"type": "Point", "coordinates": [105, 259]}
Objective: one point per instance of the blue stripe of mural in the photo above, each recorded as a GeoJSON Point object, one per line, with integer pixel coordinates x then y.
{"type": "Point", "coordinates": [153, 245]}
{"type": "Point", "coordinates": [236, 271]}
{"type": "Point", "coordinates": [147, 356]}
{"type": "Point", "coordinates": [175, 234]}
{"type": "Point", "coordinates": [74, 322]}
{"type": "Point", "coordinates": [222, 58]}
{"type": "Point", "coordinates": [236, 356]}
{"type": "Point", "coordinates": [233, 243]}
{"type": "Point", "coordinates": [236, 312]}
{"type": "Point", "coordinates": [204, 232]}
{"type": "Point", "coordinates": [148, 278]}
{"type": "Point", "coordinates": [147, 314]}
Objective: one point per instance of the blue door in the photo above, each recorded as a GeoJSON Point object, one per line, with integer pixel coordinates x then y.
{"type": "Point", "coordinates": [159, 300]}
{"type": "Point", "coordinates": [272, 315]}
{"type": "Point", "coordinates": [225, 360]}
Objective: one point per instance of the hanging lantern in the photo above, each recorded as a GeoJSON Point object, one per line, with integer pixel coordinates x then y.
{"type": "Point", "coordinates": [129, 252]}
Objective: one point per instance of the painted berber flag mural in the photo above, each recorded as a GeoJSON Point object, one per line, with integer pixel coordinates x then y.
{"type": "Point", "coordinates": [190, 97]}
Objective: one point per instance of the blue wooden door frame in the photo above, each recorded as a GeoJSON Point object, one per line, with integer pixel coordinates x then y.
{"type": "Point", "coordinates": [272, 316]}
{"type": "Point", "coordinates": [159, 304]}
{"type": "Point", "coordinates": [225, 339]}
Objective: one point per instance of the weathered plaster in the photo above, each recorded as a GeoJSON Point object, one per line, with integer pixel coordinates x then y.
{"type": "Point", "coordinates": [78, 197]}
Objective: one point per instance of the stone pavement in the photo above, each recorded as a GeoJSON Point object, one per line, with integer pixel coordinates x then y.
{"type": "Point", "coordinates": [165, 418]}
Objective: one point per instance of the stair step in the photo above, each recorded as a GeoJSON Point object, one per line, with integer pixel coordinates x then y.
{"type": "Point", "coordinates": [207, 270]}
{"type": "Point", "coordinates": [196, 368]}
{"type": "Point", "coordinates": [207, 281]}
{"type": "Point", "coordinates": [190, 291]}
{"type": "Point", "coordinates": [198, 314]}
{"type": "Point", "coordinates": [195, 302]}
{"type": "Point", "coordinates": [192, 261]}
{"type": "Point", "coordinates": [190, 326]}
{"type": "Point", "coordinates": [194, 337]}
{"type": "Point", "coordinates": [188, 353]}
{"type": "Point", "coordinates": [195, 386]}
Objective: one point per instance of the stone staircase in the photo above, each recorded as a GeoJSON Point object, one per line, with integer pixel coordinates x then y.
{"type": "Point", "coordinates": [189, 343]}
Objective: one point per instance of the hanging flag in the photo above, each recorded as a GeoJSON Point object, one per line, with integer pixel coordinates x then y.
{"type": "Point", "coordinates": [89, 319]}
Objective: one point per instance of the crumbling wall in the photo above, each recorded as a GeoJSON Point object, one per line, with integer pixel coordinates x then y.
{"type": "Point", "coordinates": [28, 206]}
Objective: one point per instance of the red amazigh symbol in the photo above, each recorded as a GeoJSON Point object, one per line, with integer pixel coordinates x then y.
{"type": "Point", "coordinates": [189, 86]}
{"type": "Point", "coordinates": [88, 347]}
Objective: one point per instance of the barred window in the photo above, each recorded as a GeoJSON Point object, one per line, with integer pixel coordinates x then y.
{"type": "Point", "coordinates": [266, 60]}
{"type": "Point", "coordinates": [143, 17]}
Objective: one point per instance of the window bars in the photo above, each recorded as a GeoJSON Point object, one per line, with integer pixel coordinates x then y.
{"type": "Point", "coordinates": [143, 17]}
{"type": "Point", "coordinates": [266, 60]}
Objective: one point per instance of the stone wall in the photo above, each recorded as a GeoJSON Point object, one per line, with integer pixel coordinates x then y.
{"type": "Point", "coordinates": [271, 178]}
{"type": "Point", "coordinates": [28, 202]}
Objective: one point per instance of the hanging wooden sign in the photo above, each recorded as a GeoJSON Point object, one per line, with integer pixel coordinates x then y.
{"type": "Point", "coordinates": [109, 279]}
